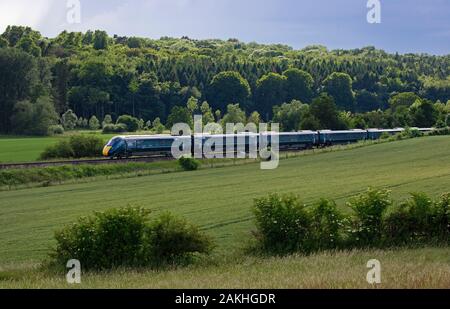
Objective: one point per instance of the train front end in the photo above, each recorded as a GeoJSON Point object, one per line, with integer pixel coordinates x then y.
{"type": "Point", "coordinates": [114, 147]}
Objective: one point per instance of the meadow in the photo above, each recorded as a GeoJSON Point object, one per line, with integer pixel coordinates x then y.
{"type": "Point", "coordinates": [219, 200]}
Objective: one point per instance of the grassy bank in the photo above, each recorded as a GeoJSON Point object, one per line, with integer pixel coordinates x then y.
{"type": "Point", "coordinates": [404, 268]}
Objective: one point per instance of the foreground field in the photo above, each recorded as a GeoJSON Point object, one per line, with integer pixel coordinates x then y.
{"type": "Point", "coordinates": [414, 268]}
{"type": "Point", "coordinates": [219, 199]}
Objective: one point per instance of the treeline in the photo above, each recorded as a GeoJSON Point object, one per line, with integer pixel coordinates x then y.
{"type": "Point", "coordinates": [93, 74]}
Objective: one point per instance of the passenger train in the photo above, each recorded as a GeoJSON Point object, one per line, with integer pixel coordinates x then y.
{"type": "Point", "coordinates": [127, 146]}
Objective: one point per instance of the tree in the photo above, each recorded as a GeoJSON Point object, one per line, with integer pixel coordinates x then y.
{"type": "Point", "coordinates": [255, 118]}
{"type": "Point", "coordinates": [94, 124]}
{"type": "Point", "coordinates": [69, 120]}
{"type": "Point", "coordinates": [132, 123]}
{"type": "Point", "coordinates": [180, 114]}
{"type": "Point", "coordinates": [158, 127]}
{"type": "Point", "coordinates": [423, 114]}
{"type": "Point", "coordinates": [107, 120]}
{"type": "Point", "coordinates": [192, 105]}
{"type": "Point", "coordinates": [326, 112]}
{"type": "Point", "coordinates": [207, 113]}
{"type": "Point", "coordinates": [403, 99]}
{"type": "Point", "coordinates": [310, 123]}
{"type": "Point", "coordinates": [367, 101]}
{"type": "Point", "coordinates": [299, 85]}
{"type": "Point", "coordinates": [18, 78]}
{"type": "Point", "coordinates": [3, 42]}
{"type": "Point", "coordinates": [226, 88]}
{"type": "Point", "coordinates": [101, 40]}
{"type": "Point", "coordinates": [234, 115]}
{"type": "Point", "coordinates": [270, 91]}
{"type": "Point", "coordinates": [290, 115]}
{"type": "Point", "coordinates": [339, 86]}
{"type": "Point", "coordinates": [401, 117]}
{"type": "Point", "coordinates": [34, 118]}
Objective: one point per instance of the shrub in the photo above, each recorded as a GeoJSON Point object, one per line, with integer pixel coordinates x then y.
{"type": "Point", "coordinates": [283, 224]}
{"type": "Point", "coordinates": [56, 130]}
{"type": "Point", "coordinates": [327, 225]}
{"type": "Point", "coordinates": [172, 239]}
{"type": "Point", "coordinates": [417, 221]}
{"type": "Point", "coordinates": [441, 218]}
{"type": "Point", "coordinates": [369, 209]}
{"type": "Point", "coordinates": [189, 164]}
{"type": "Point", "coordinates": [78, 146]}
{"type": "Point", "coordinates": [104, 241]}
{"type": "Point", "coordinates": [86, 146]}
{"type": "Point", "coordinates": [114, 128]}
{"type": "Point", "coordinates": [127, 237]}
{"type": "Point", "coordinates": [131, 122]}
{"type": "Point", "coordinates": [94, 123]}
{"type": "Point", "coordinates": [62, 149]}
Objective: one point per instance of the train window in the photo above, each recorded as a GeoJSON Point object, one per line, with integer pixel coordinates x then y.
{"type": "Point", "coordinates": [113, 141]}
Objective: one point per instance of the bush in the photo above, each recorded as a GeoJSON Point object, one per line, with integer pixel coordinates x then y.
{"type": "Point", "coordinates": [127, 237]}
{"type": "Point", "coordinates": [369, 209]}
{"type": "Point", "coordinates": [131, 122]}
{"type": "Point", "coordinates": [417, 221]}
{"type": "Point", "coordinates": [327, 225]}
{"type": "Point", "coordinates": [114, 128]}
{"type": "Point", "coordinates": [55, 130]}
{"type": "Point", "coordinates": [78, 146]}
{"type": "Point", "coordinates": [188, 164]}
{"type": "Point", "coordinates": [172, 239]}
{"type": "Point", "coordinates": [283, 224]}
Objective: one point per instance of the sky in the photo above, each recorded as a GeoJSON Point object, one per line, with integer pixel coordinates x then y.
{"type": "Point", "coordinates": [418, 26]}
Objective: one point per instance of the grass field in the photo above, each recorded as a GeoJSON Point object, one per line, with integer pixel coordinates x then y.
{"type": "Point", "coordinates": [219, 200]}
{"type": "Point", "coordinates": [28, 149]}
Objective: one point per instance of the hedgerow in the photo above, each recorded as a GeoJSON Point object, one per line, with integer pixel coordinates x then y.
{"type": "Point", "coordinates": [128, 237]}
{"type": "Point", "coordinates": [78, 146]}
{"type": "Point", "coordinates": [285, 225]}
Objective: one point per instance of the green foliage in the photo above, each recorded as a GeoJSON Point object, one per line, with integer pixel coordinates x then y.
{"type": "Point", "coordinates": [188, 164]}
{"type": "Point", "coordinates": [299, 85]}
{"type": "Point", "coordinates": [339, 86]}
{"type": "Point", "coordinates": [34, 118]}
{"type": "Point", "coordinates": [131, 123]}
{"type": "Point", "coordinates": [270, 91]}
{"type": "Point", "coordinates": [325, 111]}
{"type": "Point", "coordinates": [78, 146]}
{"type": "Point", "coordinates": [126, 237]}
{"type": "Point", "coordinates": [172, 239]}
{"type": "Point", "coordinates": [100, 40]}
{"type": "Point", "coordinates": [56, 130]}
{"type": "Point", "coordinates": [69, 120]}
{"type": "Point", "coordinates": [114, 128]}
{"type": "Point", "coordinates": [180, 114]}
{"type": "Point", "coordinates": [290, 116]}
{"type": "Point", "coordinates": [405, 99]}
{"type": "Point", "coordinates": [234, 115]}
{"type": "Point", "coordinates": [283, 224]}
{"type": "Point", "coordinates": [94, 124]}
{"type": "Point", "coordinates": [369, 209]}
{"type": "Point", "coordinates": [226, 88]}
{"type": "Point", "coordinates": [158, 127]}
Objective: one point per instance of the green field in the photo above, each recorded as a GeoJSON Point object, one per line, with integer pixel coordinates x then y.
{"type": "Point", "coordinates": [219, 199]}
{"type": "Point", "coordinates": [16, 149]}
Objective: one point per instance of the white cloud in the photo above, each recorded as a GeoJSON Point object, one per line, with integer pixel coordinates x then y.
{"type": "Point", "coordinates": [24, 12]}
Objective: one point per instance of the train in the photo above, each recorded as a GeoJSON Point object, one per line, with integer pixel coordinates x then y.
{"type": "Point", "coordinates": [139, 145]}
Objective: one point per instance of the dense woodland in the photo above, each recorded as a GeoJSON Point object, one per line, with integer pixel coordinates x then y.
{"type": "Point", "coordinates": [91, 79]}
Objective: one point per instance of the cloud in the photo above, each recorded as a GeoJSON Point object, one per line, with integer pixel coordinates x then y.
{"type": "Point", "coordinates": [24, 12]}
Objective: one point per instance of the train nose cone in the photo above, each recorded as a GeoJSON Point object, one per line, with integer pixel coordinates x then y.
{"type": "Point", "coordinates": [106, 151]}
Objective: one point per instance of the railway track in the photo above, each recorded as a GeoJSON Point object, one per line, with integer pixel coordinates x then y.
{"type": "Point", "coordinates": [7, 166]}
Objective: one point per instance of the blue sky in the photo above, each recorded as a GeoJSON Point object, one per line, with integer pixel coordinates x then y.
{"type": "Point", "coordinates": [406, 25]}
